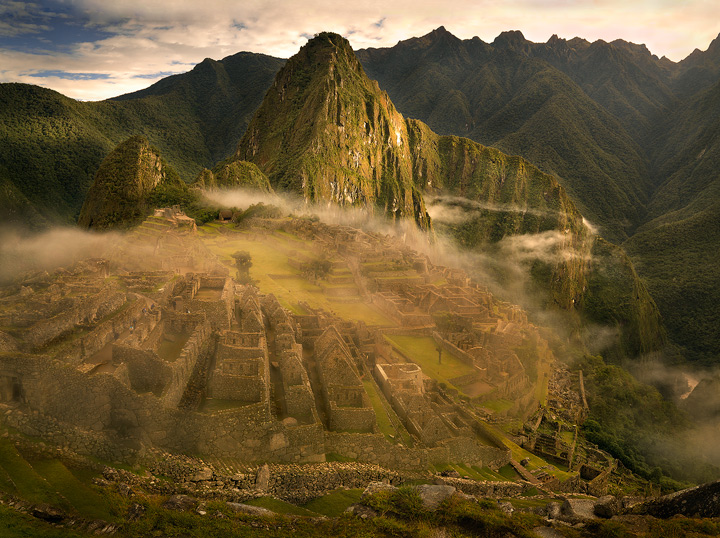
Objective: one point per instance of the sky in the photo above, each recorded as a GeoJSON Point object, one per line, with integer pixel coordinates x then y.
{"type": "Point", "coordinates": [96, 49]}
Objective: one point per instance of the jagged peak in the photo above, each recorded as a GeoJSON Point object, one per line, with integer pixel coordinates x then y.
{"type": "Point", "coordinates": [510, 39]}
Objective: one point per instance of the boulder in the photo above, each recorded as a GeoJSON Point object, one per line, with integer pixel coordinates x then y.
{"type": "Point", "coordinates": [577, 510]}
{"type": "Point", "coordinates": [262, 479]}
{"type": "Point", "coordinates": [607, 507]}
{"type": "Point", "coordinates": [181, 503]}
{"type": "Point", "coordinates": [554, 510]}
{"type": "Point", "coordinates": [432, 495]}
{"type": "Point", "coordinates": [241, 508]}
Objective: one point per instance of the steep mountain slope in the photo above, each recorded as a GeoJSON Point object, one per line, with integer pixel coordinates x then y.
{"type": "Point", "coordinates": [53, 145]}
{"type": "Point", "coordinates": [123, 185]}
{"type": "Point", "coordinates": [676, 251]}
{"type": "Point", "coordinates": [326, 132]}
{"type": "Point", "coordinates": [497, 95]}
{"type": "Point", "coordinates": [632, 138]}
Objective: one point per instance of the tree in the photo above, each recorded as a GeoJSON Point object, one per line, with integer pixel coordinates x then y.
{"type": "Point", "coordinates": [243, 262]}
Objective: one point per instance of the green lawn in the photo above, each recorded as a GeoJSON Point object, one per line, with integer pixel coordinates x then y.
{"type": "Point", "coordinates": [290, 287]}
{"type": "Point", "coordinates": [423, 351]}
{"type": "Point", "coordinates": [335, 503]}
{"type": "Point", "coordinates": [383, 421]}
{"type": "Point", "coordinates": [280, 507]}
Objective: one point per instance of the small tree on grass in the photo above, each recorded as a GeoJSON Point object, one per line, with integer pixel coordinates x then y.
{"type": "Point", "coordinates": [318, 268]}
{"type": "Point", "coordinates": [243, 263]}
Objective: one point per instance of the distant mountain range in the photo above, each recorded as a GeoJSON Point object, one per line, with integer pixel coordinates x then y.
{"type": "Point", "coordinates": [633, 139]}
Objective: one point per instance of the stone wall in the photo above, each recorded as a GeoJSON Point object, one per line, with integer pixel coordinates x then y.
{"type": "Point", "coordinates": [199, 344]}
{"type": "Point", "coordinates": [146, 372]}
{"type": "Point", "coordinates": [84, 310]}
{"type": "Point", "coordinates": [352, 418]}
{"type": "Point", "coordinates": [374, 448]}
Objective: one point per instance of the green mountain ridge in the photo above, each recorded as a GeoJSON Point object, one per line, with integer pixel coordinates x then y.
{"type": "Point", "coordinates": [630, 136]}
{"type": "Point", "coordinates": [327, 132]}
{"type": "Point", "coordinates": [53, 145]}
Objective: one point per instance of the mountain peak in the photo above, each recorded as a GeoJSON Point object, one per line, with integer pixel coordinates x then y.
{"type": "Point", "coordinates": [512, 39]}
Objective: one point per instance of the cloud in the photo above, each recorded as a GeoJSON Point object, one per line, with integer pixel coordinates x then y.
{"type": "Point", "coordinates": [21, 252]}
{"type": "Point", "coordinates": [132, 40]}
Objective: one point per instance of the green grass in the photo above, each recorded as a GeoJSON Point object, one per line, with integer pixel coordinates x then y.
{"type": "Point", "coordinates": [269, 258]}
{"type": "Point", "coordinates": [497, 406]}
{"type": "Point", "coordinates": [488, 474]}
{"type": "Point", "coordinates": [84, 499]}
{"type": "Point", "coordinates": [423, 351]}
{"type": "Point", "coordinates": [280, 507]}
{"type": "Point", "coordinates": [508, 472]}
{"type": "Point", "coordinates": [335, 503]}
{"type": "Point", "coordinates": [382, 419]}
{"type": "Point", "coordinates": [25, 481]}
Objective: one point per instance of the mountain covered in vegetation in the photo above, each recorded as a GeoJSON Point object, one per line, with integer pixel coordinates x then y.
{"type": "Point", "coordinates": [52, 145]}
{"type": "Point", "coordinates": [124, 185]}
{"type": "Point", "coordinates": [629, 135]}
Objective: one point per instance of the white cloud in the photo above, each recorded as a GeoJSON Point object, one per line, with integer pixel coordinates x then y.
{"type": "Point", "coordinates": [172, 36]}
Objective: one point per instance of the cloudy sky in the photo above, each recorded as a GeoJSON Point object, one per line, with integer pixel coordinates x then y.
{"type": "Point", "coordinates": [94, 49]}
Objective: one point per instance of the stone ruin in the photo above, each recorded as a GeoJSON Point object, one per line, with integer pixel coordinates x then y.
{"type": "Point", "coordinates": [178, 356]}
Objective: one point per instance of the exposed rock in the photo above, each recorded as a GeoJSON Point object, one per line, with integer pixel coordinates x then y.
{"type": "Point", "coordinates": [181, 503]}
{"type": "Point", "coordinates": [506, 508]}
{"type": "Point", "coordinates": [699, 501]}
{"type": "Point", "coordinates": [262, 479]}
{"type": "Point", "coordinates": [361, 511]}
{"type": "Point", "coordinates": [554, 510]}
{"type": "Point", "coordinates": [578, 510]}
{"type": "Point", "coordinates": [202, 474]}
{"type": "Point", "coordinates": [251, 510]}
{"type": "Point", "coordinates": [376, 487]}
{"type": "Point", "coordinates": [135, 512]}
{"type": "Point", "coordinates": [607, 507]}
{"type": "Point", "coordinates": [48, 513]}
{"type": "Point", "coordinates": [432, 495]}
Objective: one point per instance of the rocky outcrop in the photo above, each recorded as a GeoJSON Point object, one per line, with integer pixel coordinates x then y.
{"type": "Point", "coordinates": [233, 174]}
{"type": "Point", "coordinates": [699, 501]}
{"type": "Point", "coordinates": [120, 193]}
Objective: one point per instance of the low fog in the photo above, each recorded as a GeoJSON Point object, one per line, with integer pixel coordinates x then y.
{"type": "Point", "coordinates": [23, 252]}
{"type": "Point", "coordinates": [502, 267]}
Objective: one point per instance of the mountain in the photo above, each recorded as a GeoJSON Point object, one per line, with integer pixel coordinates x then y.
{"type": "Point", "coordinates": [123, 185]}
{"type": "Point", "coordinates": [632, 138]}
{"type": "Point", "coordinates": [676, 249]}
{"type": "Point", "coordinates": [498, 95]}
{"type": "Point", "coordinates": [52, 145]}
{"type": "Point", "coordinates": [325, 131]}
{"type": "Point", "coordinates": [610, 121]}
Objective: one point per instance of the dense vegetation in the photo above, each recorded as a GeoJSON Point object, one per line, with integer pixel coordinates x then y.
{"type": "Point", "coordinates": [634, 139]}
{"type": "Point", "coordinates": [52, 146]}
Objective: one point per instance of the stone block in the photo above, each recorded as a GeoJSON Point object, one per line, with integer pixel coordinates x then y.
{"type": "Point", "coordinates": [432, 495]}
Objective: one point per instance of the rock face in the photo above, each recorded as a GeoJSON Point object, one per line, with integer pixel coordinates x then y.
{"type": "Point", "coordinates": [326, 131]}
{"type": "Point", "coordinates": [700, 501]}
{"type": "Point", "coordinates": [123, 184]}
{"type": "Point", "coordinates": [228, 174]}
{"type": "Point", "coordinates": [432, 495]}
